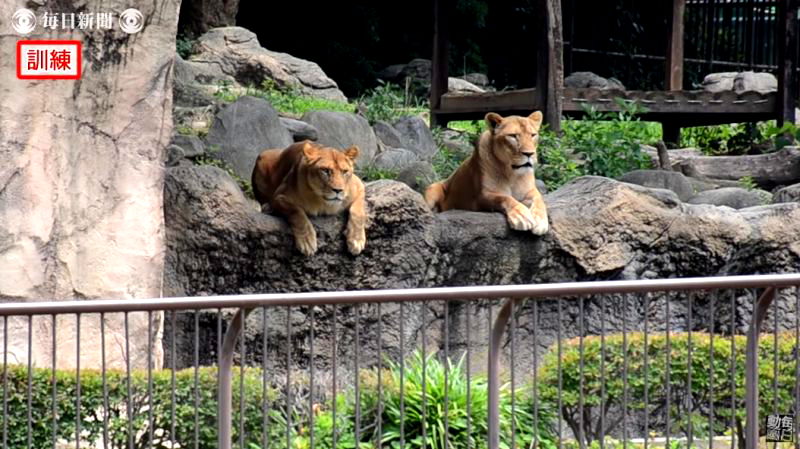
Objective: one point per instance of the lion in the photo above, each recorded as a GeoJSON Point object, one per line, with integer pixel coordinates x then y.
{"type": "Point", "coordinates": [308, 179]}
{"type": "Point", "coordinates": [499, 175]}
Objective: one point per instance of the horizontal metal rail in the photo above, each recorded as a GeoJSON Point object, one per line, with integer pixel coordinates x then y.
{"type": "Point", "coordinates": [540, 291]}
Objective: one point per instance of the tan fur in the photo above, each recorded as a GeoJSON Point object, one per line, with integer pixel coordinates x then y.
{"type": "Point", "coordinates": [491, 179]}
{"type": "Point", "coordinates": [308, 179]}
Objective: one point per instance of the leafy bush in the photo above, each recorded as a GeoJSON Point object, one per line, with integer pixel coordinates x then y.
{"type": "Point", "coordinates": [388, 102]}
{"type": "Point", "coordinates": [710, 380]}
{"type": "Point", "coordinates": [184, 45]}
{"type": "Point", "coordinates": [740, 138]}
{"type": "Point", "coordinates": [93, 411]}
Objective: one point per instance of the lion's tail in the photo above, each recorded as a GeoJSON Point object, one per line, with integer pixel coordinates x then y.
{"type": "Point", "coordinates": [434, 196]}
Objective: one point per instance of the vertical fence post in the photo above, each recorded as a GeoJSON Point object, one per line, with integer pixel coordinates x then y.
{"type": "Point", "coordinates": [751, 368]}
{"type": "Point", "coordinates": [498, 330]}
{"type": "Point", "coordinates": [224, 409]}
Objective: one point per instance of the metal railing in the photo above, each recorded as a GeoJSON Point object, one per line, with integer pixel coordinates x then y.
{"type": "Point", "coordinates": [546, 300]}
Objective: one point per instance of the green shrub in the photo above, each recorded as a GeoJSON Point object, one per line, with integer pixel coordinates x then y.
{"type": "Point", "coordinates": [388, 102]}
{"type": "Point", "coordinates": [740, 138]}
{"type": "Point", "coordinates": [706, 359]}
{"type": "Point", "coordinates": [184, 45]}
{"type": "Point", "coordinates": [450, 379]}
{"type": "Point", "coordinates": [93, 411]}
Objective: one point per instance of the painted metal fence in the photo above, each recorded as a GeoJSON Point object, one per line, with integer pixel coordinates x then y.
{"type": "Point", "coordinates": [651, 363]}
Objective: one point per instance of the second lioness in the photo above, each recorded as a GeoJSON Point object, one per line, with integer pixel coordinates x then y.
{"type": "Point", "coordinates": [308, 179]}
{"type": "Point", "coordinates": [499, 175]}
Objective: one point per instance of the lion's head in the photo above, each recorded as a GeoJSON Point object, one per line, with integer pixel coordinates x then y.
{"type": "Point", "coordinates": [515, 139]}
{"type": "Point", "coordinates": [329, 171]}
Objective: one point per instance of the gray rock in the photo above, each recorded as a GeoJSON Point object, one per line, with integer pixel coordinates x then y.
{"type": "Point", "coordinates": [788, 194]}
{"type": "Point", "coordinates": [661, 179]}
{"type": "Point", "coordinates": [762, 82]}
{"type": "Point", "coordinates": [590, 79]}
{"type": "Point", "coordinates": [416, 135]}
{"type": "Point", "coordinates": [460, 85]}
{"type": "Point", "coordinates": [394, 159]}
{"type": "Point", "coordinates": [392, 73]}
{"type": "Point", "coordinates": [299, 129]}
{"type": "Point", "coordinates": [191, 146]}
{"type": "Point", "coordinates": [478, 79]}
{"type": "Point", "coordinates": [541, 186]}
{"type": "Point", "coordinates": [719, 82]}
{"type": "Point", "coordinates": [242, 130]}
{"type": "Point", "coordinates": [388, 135]}
{"type": "Point", "coordinates": [343, 129]}
{"type": "Point", "coordinates": [236, 52]}
{"type": "Point", "coordinates": [740, 82]}
{"type": "Point", "coordinates": [174, 155]}
{"type": "Point", "coordinates": [418, 70]}
{"type": "Point", "coordinates": [735, 197]}
{"type": "Point", "coordinates": [418, 175]}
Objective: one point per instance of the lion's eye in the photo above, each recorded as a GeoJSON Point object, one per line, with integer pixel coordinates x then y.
{"type": "Point", "coordinates": [326, 171]}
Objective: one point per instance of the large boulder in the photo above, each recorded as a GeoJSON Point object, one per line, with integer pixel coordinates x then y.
{"type": "Point", "coordinates": [590, 79]}
{"type": "Point", "coordinates": [740, 82]}
{"type": "Point", "coordinates": [461, 85]}
{"type": "Point", "coordinates": [787, 194]}
{"type": "Point", "coordinates": [416, 135]}
{"type": "Point", "coordinates": [236, 52]}
{"type": "Point", "coordinates": [242, 130]}
{"type": "Point", "coordinates": [299, 129]}
{"type": "Point", "coordinates": [418, 175]}
{"type": "Point", "coordinates": [81, 211]}
{"type": "Point", "coordinates": [342, 130]}
{"type": "Point", "coordinates": [661, 179]}
{"type": "Point", "coordinates": [735, 197]}
{"type": "Point", "coordinates": [600, 229]}
{"type": "Point", "coordinates": [394, 159]}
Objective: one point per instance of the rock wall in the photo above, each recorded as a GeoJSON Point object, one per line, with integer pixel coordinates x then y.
{"type": "Point", "coordinates": [218, 242]}
{"type": "Point", "coordinates": [81, 213]}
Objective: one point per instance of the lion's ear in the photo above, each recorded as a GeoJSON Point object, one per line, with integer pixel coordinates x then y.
{"type": "Point", "coordinates": [493, 119]}
{"type": "Point", "coordinates": [351, 152]}
{"type": "Point", "coordinates": [536, 118]}
{"type": "Point", "coordinates": [310, 152]}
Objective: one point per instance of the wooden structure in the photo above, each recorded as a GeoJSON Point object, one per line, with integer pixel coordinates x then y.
{"type": "Point", "coordinates": [673, 107]}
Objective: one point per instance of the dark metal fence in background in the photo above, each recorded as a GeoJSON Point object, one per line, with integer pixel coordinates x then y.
{"type": "Point", "coordinates": [553, 365]}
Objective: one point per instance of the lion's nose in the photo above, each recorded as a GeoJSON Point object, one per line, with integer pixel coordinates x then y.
{"type": "Point", "coordinates": [336, 191]}
{"type": "Point", "coordinates": [529, 153]}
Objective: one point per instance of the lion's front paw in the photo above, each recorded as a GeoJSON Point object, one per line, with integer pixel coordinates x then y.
{"type": "Point", "coordinates": [356, 239]}
{"type": "Point", "coordinates": [306, 242]}
{"type": "Point", "coordinates": [520, 218]}
{"type": "Point", "coordinates": [540, 225]}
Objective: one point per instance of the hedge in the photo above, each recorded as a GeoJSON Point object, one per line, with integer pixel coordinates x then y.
{"type": "Point", "coordinates": [710, 381]}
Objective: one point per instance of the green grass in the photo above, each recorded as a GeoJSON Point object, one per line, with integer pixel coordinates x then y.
{"type": "Point", "coordinates": [289, 101]}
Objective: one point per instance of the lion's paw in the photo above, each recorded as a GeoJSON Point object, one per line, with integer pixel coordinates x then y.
{"type": "Point", "coordinates": [540, 226]}
{"type": "Point", "coordinates": [356, 245]}
{"type": "Point", "coordinates": [307, 243]}
{"type": "Point", "coordinates": [520, 218]}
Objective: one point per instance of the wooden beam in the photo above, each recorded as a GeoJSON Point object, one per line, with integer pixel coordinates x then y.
{"type": "Point", "coordinates": [674, 61]}
{"type": "Point", "coordinates": [439, 69]}
{"type": "Point", "coordinates": [550, 62]}
{"type": "Point", "coordinates": [787, 61]}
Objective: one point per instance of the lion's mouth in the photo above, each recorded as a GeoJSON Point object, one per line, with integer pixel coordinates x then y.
{"type": "Point", "coordinates": [517, 167]}
{"type": "Point", "coordinates": [334, 199]}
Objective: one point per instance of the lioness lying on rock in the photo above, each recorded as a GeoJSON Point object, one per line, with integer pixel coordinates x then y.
{"type": "Point", "coordinates": [499, 175]}
{"type": "Point", "coordinates": [309, 179]}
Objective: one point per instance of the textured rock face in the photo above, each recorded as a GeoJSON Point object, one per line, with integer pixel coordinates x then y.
{"type": "Point", "coordinates": [735, 197]}
{"type": "Point", "coordinates": [661, 179]}
{"type": "Point", "coordinates": [590, 79]}
{"type": "Point", "coordinates": [341, 130]}
{"type": "Point", "coordinates": [243, 130]}
{"type": "Point", "coordinates": [600, 229]}
{"type": "Point", "coordinates": [81, 181]}
{"type": "Point", "coordinates": [235, 52]}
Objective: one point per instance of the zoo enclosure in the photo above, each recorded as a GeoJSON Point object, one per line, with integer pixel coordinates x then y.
{"type": "Point", "coordinates": [546, 305]}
